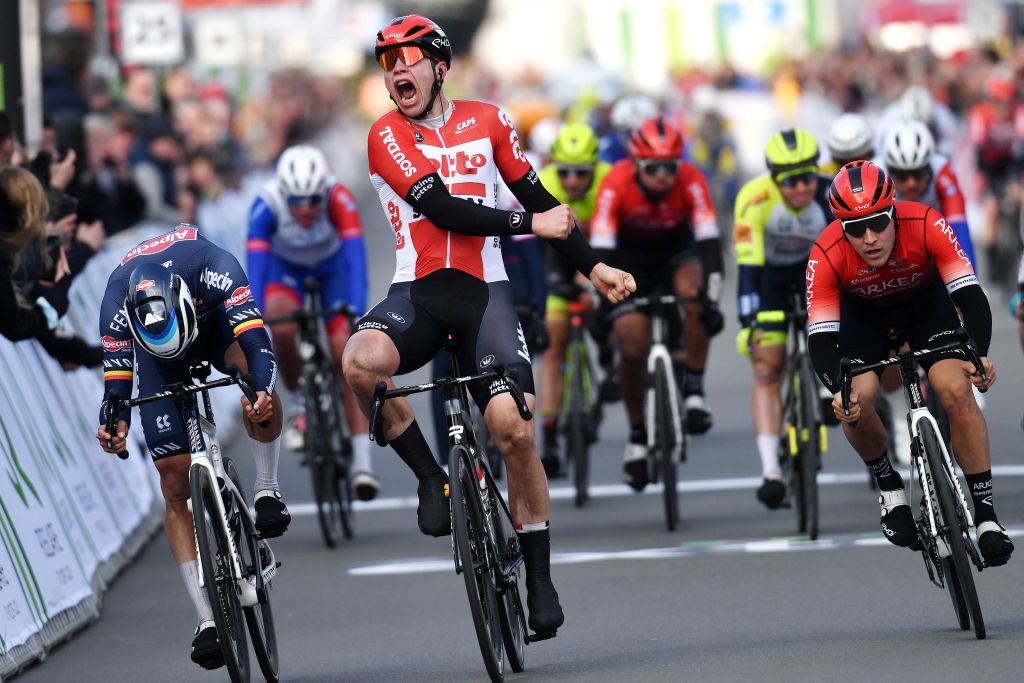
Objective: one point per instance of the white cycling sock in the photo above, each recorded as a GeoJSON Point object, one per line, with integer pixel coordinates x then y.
{"type": "Point", "coordinates": [190, 575]}
{"type": "Point", "coordinates": [361, 453]}
{"type": "Point", "coordinates": [265, 455]}
{"type": "Point", "coordinates": [768, 449]}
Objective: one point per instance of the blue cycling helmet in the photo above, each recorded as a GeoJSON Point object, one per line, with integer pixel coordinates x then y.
{"type": "Point", "coordinates": [161, 314]}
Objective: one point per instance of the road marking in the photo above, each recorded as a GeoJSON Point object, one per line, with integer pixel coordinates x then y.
{"type": "Point", "coordinates": [690, 549]}
{"type": "Point", "coordinates": [305, 509]}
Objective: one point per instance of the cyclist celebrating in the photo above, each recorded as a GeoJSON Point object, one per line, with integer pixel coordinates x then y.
{"type": "Point", "coordinates": [174, 300]}
{"type": "Point", "coordinates": [920, 175]}
{"type": "Point", "coordinates": [778, 216]}
{"type": "Point", "coordinates": [654, 218]}
{"type": "Point", "coordinates": [305, 224]}
{"type": "Point", "coordinates": [573, 178]}
{"type": "Point", "coordinates": [435, 163]}
{"type": "Point", "coordinates": [881, 268]}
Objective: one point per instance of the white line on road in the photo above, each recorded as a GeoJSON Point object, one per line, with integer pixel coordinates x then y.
{"type": "Point", "coordinates": [618, 490]}
{"type": "Point", "coordinates": [773, 545]}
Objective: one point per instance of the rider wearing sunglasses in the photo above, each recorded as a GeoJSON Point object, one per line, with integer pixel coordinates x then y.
{"type": "Point", "coordinates": [305, 223]}
{"type": "Point", "coordinates": [886, 267]}
{"type": "Point", "coordinates": [573, 177]}
{"type": "Point", "coordinates": [922, 175]}
{"type": "Point", "coordinates": [655, 218]}
{"type": "Point", "coordinates": [778, 216]}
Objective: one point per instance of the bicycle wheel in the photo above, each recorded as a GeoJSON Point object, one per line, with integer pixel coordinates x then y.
{"type": "Point", "coordinates": [576, 430]}
{"type": "Point", "coordinates": [321, 460]}
{"type": "Point", "coordinates": [952, 528]}
{"type": "Point", "coordinates": [810, 446]}
{"type": "Point", "coordinates": [259, 617]}
{"type": "Point", "coordinates": [665, 443]}
{"type": "Point", "coordinates": [470, 537]}
{"type": "Point", "coordinates": [510, 604]}
{"type": "Point", "coordinates": [215, 559]}
{"type": "Point", "coordinates": [341, 451]}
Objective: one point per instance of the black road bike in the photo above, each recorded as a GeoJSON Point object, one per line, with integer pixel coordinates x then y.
{"type": "Point", "coordinates": [236, 565]}
{"type": "Point", "coordinates": [581, 411]}
{"type": "Point", "coordinates": [484, 542]}
{"type": "Point", "coordinates": [803, 438]}
{"type": "Point", "coordinates": [327, 443]}
{"type": "Point", "coordinates": [944, 522]}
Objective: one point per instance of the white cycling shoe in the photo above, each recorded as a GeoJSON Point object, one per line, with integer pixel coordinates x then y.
{"type": "Point", "coordinates": [634, 466]}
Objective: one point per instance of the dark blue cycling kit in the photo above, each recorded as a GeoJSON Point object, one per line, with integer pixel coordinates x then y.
{"type": "Point", "coordinates": [225, 311]}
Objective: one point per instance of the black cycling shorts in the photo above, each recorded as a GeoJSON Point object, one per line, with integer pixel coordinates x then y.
{"type": "Point", "coordinates": [418, 316]}
{"type": "Point", "coordinates": [162, 423]}
{"type": "Point", "coordinates": [777, 286]}
{"type": "Point", "coordinates": [870, 333]}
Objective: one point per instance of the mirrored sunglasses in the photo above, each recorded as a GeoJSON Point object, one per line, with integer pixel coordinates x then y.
{"type": "Point", "coordinates": [876, 223]}
{"type": "Point", "coordinates": [578, 171]}
{"type": "Point", "coordinates": [655, 166]}
{"type": "Point", "coordinates": [907, 174]}
{"type": "Point", "coordinates": [300, 202]}
{"type": "Point", "coordinates": [791, 181]}
{"type": "Point", "coordinates": [408, 54]}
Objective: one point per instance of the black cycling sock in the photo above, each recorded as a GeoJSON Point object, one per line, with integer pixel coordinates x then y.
{"type": "Point", "coordinates": [694, 382]}
{"type": "Point", "coordinates": [980, 485]}
{"type": "Point", "coordinates": [549, 429]}
{"type": "Point", "coordinates": [638, 434]}
{"type": "Point", "coordinates": [412, 448]}
{"type": "Point", "coordinates": [887, 478]}
{"type": "Point", "coordinates": [536, 545]}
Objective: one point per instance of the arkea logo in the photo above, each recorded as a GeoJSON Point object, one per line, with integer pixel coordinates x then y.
{"type": "Point", "coordinates": [471, 121]}
{"type": "Point", "coordinates": [395, 150]}
{"type": "Point", "coordinates": [239, 296]}
{"type": "Point", "coordinates": [112, 345]}
{"type": "Point", "coordinates": [161, 243]}
{"type": "Point", "coordinates": [215, 280]}
{"type": "Point", "coordinates": [145, 285]}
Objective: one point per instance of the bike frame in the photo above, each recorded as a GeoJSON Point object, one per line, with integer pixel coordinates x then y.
{"type": "Point", "coordinates": [656, 307]}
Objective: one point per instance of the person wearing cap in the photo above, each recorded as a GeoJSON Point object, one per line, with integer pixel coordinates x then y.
{"type": "Point", "coordinates": [778, 216]}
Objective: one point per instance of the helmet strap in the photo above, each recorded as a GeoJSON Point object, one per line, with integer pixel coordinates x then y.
{"type": "Point", "coordinates": [435, 90]}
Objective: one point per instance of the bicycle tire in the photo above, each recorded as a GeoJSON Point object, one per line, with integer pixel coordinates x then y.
{"type": "Point", "coordinates": [220, 589]}
{"type": "Point", "coordinates": [321, 460]}
{"type": "Point", "coordinates": [956, 594]}
{"type": "Point", "coordinates": [471, 545]}
{"type": "Point", "coordinates": [810, 445]}
{"type": "Point", "coordinates": [342, 454]}
{"type": "Point", "coordinates": [510, 605]}
{"type": "Point", "coordinates": [260, 617]}
{"type": "Point", "coordinates": [954, 532]}
{"type": "Point", "coordinates": [665, 443]}
{"type": "Point", "coordinates": [576, 432]}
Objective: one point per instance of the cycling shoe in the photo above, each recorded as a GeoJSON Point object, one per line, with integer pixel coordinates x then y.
{"type": "Point", "coordinates": [206, 648]}
{"type": "Point", "coordinates": [634, 466]}
{"type": "Point", "coordinates": [272, 516]}
{"type": "Point", "coordinates": [995, 546]}
{"type": "Point", "coordinates": [771, 492]}
{"type": "Point", "coordinates": [366, 485]}
{"type": "Point", "coordinates": [698, 418]}
{"type": "Point", "coordinates": [545, 611]}
{"type": "Point", "coordinates": [897, 522]}
{"type": "Point", "coordinates": [433, 513]}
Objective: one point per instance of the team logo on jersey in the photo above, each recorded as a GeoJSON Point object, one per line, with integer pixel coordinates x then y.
{"type": "Point", "coordinates": [145, 286]}
{"type": "Point", "coordinates": [515, 219]}
{"type": "Point", "coordinates": [215, 280]}
{"type": "Point", "coordinates": [471, 121]}
{"type": "Point", "coordinates": [396, 317]}
{"type": "Point", "coordinates": [112, 345]}
{"type": "Point", "coordinates": [158, 244]}
{"type": "Point", "coordinates": [395, 150]}
{"type": "Point", "coordinates": [487, 361]}
{"type": "Point", "coordinates": [460, 163]}
{"type": "Point", "coordinates": [239, 296]}
{"type": "Point", "coordinates": [416, 134]}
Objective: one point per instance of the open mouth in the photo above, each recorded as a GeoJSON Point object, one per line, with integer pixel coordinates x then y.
{"type": "Point", "coordinates": [406, 90]}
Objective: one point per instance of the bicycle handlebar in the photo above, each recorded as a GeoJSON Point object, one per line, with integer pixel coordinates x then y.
{"type": "Point", "coordinates": [381, 393]}
{"type": "Point", "coordinates": [848, 370]}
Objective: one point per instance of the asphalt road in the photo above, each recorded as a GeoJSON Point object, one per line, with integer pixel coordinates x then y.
{"type": "Point", "coordinates": [732, 595]}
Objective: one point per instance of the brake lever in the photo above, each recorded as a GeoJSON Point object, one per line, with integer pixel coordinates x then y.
{"type": "Point", "coordinates": [516, 391]}
{"type": "Point", "coordinates": [844, 384]}
{"type": "Point", "coordinates": [113, 407]}
{"type": "Point", "coordinates": [973, 356]}
{"type": "Point", "coordinates": [246, 382]}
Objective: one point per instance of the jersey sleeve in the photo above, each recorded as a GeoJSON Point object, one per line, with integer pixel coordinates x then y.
{"type": "Point", "coordinates": [604, 226]}
{"type": "Point", "coordinates": [118, 349]}
{"type": "Point", "coordinates": [702, 209]}
{"type": "Point", "coordinates": [392, 154]}
{"type": "Point", "coordinates": [944, 248]}
{"type": "Point", "coordinates": [508, 154]}
{"type": "Point", "coordinates": [262, 225]}
{"type": "Point", "coordinates": [749, 224]}
{"type": "Point", "coordinates": [227, 291]}
{"type": "Point", "coordinates": [951, 199]}
{"type": "Point", "coordinates": [344, 216]}
{"type": "Point", "coordinates": [822, 293]}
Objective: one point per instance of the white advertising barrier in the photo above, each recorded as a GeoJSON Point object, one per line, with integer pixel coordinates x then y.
{"type": "Point", "coordinates": [71, 516]}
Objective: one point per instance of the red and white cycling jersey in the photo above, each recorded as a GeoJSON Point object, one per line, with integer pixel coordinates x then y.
{"type": "Point", "coordinates": [924, 242]}
{"type": "Point", "coordinates": [943, 193]}
{"type": "Point", "coordinates": [476, 142]}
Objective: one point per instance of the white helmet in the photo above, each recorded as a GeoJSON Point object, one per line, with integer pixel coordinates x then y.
{"type": "Point", "coordinates": [631, 111]}
{"type": "Point", "coordinates": [543, 135]}
{"type": "Point", "coordinates": [908, 145]}
{"type": "Point", "coordinates": [302, 172]}
{"type": "Point", "coordinates": [916, 104]}
{"type": "Point", "coordinates": [850, 137]}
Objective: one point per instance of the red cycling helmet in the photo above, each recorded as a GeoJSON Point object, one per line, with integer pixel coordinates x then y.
{"type": "Point", "coordinates": [656, 139]}
{"type": "Point", "coordinates": [860, 189]}
{"type": "Point", "coordinates": [416, 31]}
{"type": "Point", "coordinates": [999, 87]}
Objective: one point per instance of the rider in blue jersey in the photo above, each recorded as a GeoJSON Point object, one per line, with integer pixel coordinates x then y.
{"type": "Point", "coordinates": [174, 300]}
{"type": "Point", "coordinates": [304, 223]}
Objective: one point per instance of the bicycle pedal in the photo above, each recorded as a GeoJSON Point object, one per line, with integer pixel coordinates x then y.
{"type": "Point", "coordinates": [537, 637]}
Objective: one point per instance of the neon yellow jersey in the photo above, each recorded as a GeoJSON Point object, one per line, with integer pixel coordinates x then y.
{"type": "Point", "coordinates": [769, 233]}
{"type": "Point", "coordinates": [584, 208]}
